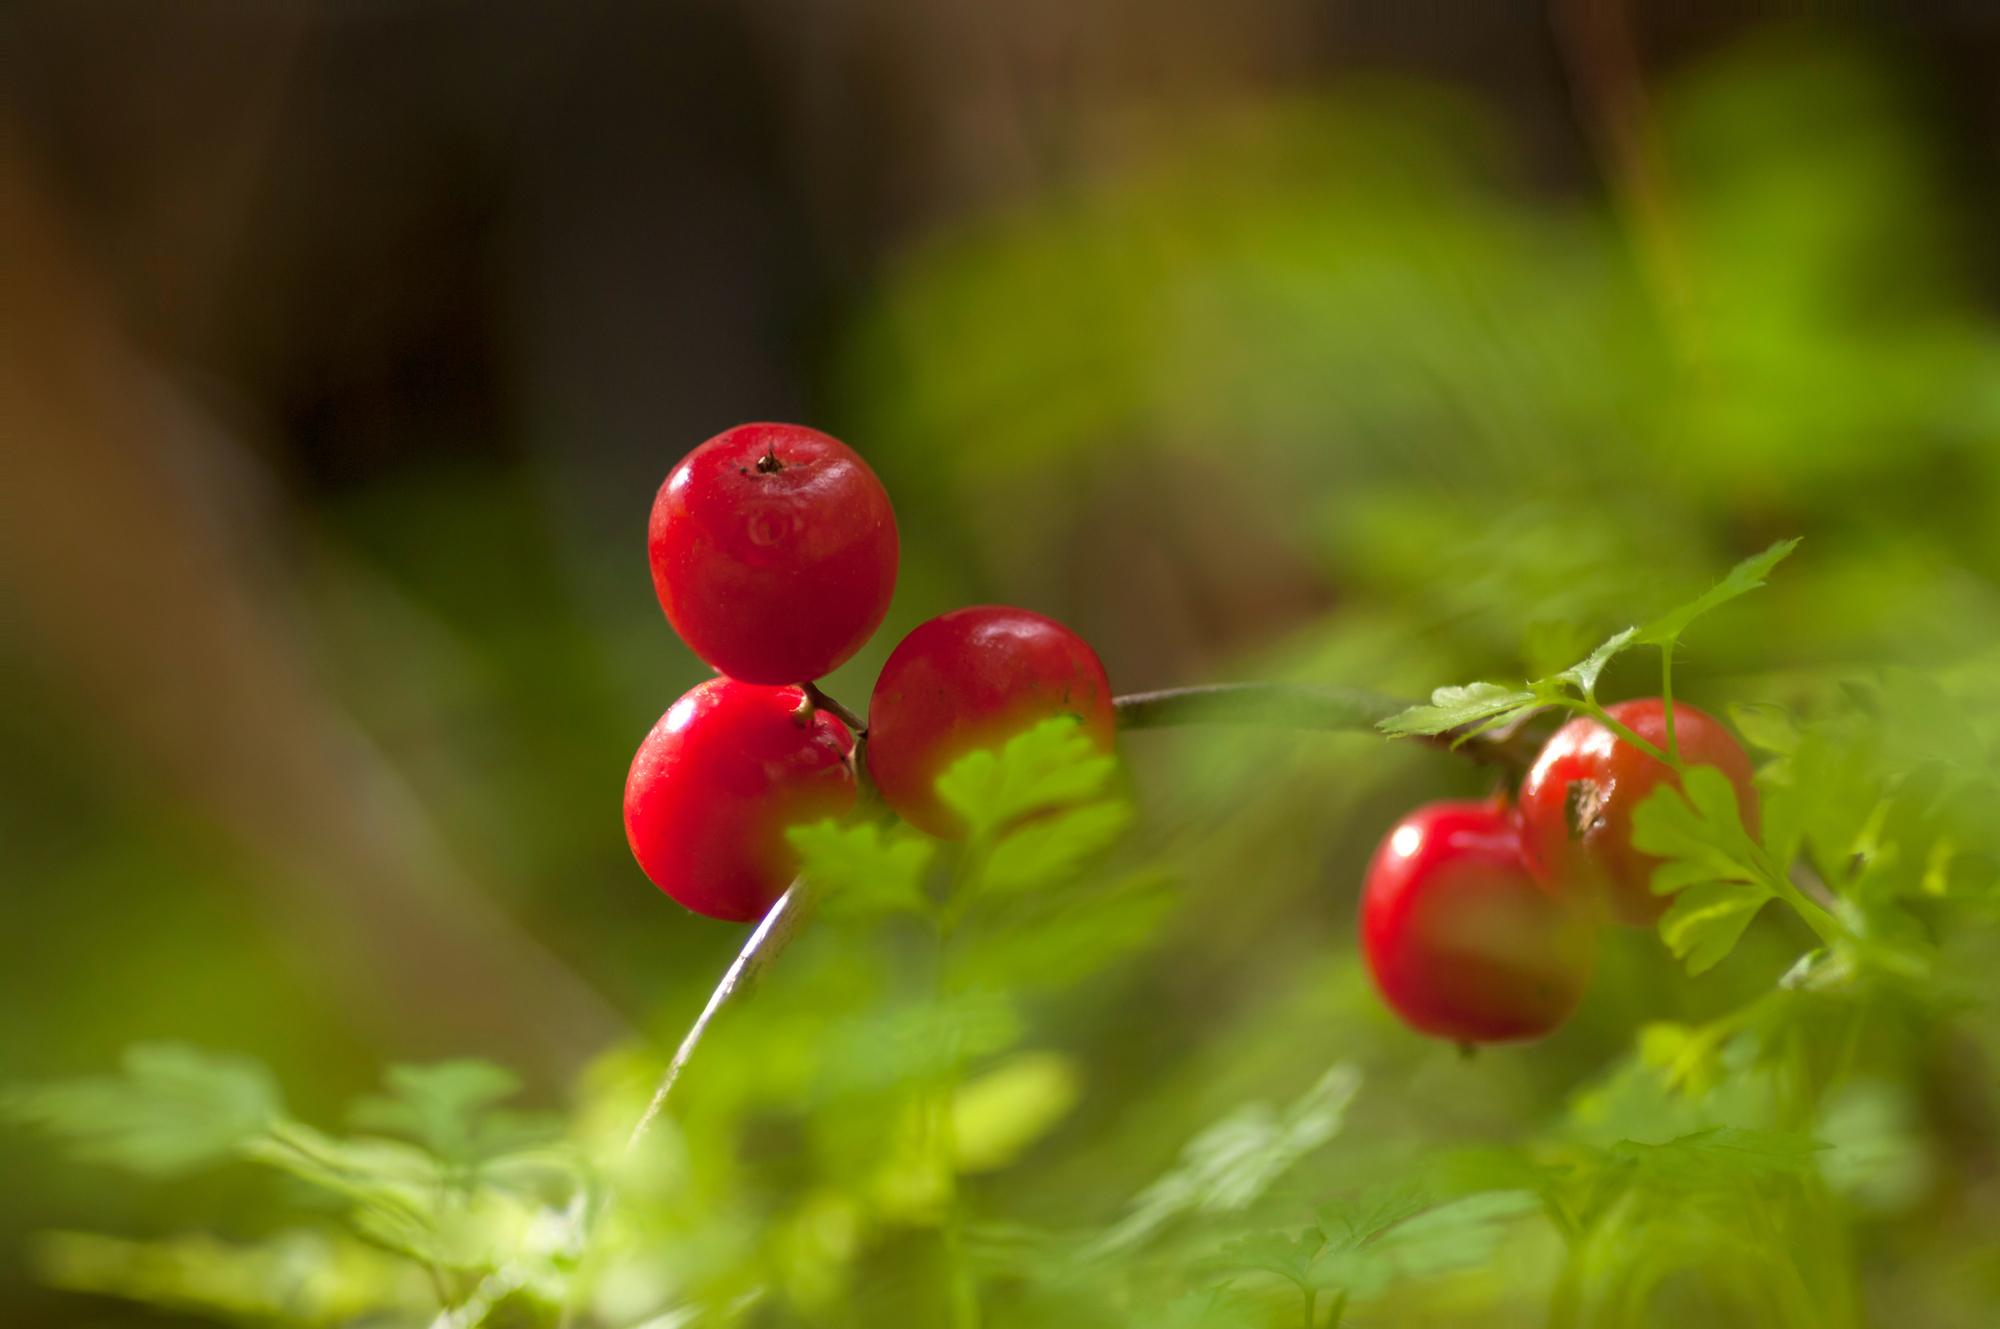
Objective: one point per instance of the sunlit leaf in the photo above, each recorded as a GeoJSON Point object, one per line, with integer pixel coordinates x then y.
{"type": "Point", "coordinates": [1046, 851]}
{"type": "Point", "coordinates": [1052, 765]}
{"type": "Point", "coordinates": [1457, 707]}
{"type": "Point", "coordinates": [864, 869]}
{"type": "Point", "coordinates": [1583, 674]}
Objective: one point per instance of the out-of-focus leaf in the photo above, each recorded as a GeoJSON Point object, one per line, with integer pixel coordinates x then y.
{"type": "Point", "coordinates": [170, 1108]}
{"type": "Point", "coordinates": [1719, 1157]}
{"type": "Point", "coordinates": [1706, 921]}
{"type": "Point", "coordinates": [1232, 1162]}
{"type": "Point", "coordinates": [1709, 860]}
{"type": "Point", "coordinates": [1048, 850]}
{"type": "Point", "coordinates": [307, 1278]}
{"type": "Point", "coordinates": [998, 1114]}
{"type": "Point", "coordinates": [864, 869]}
{"type": "Point", "coordinates": [449, 1108]}
{"type": "Point", "coordinates": [1766, 726]}
{"type": "Point", "coordinates": [1052, 765]}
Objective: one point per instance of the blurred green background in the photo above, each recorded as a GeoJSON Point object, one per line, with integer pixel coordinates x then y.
{"type": "Point", "coordinates": [343, 345]}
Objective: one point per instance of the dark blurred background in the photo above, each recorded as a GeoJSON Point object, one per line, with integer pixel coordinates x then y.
{"type": "Point", "coordinates": [342, 346]}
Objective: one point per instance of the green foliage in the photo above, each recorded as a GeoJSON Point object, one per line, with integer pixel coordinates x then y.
{"type": "Point", "coordinates": [1474, 708]}
{"type": "Point", "coordinates": [1086, 1068]}
{"type": "Point", "coordinates": [171, 1109]}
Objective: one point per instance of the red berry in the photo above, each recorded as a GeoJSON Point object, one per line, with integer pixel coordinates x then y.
{"type": "Point", "coordinates": [713, 787]}
{"type": "Point", "coordinates": [1463, 942]}
{"type": "Point", "coordinates": [971, 679]}
{"type": "Point", "coordinates": [1577, 802]}
{"type": "Point", "coordinates": [774, 552]}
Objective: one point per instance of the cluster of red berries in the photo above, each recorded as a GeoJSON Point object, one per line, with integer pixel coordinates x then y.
{"type": "Point", "coordinates": [774, 551]}
{"type": "Point", "coordinates": [1479, 920]}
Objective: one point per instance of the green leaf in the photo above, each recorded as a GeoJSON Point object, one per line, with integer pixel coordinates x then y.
{"type": "Point", "coordinates": [1457, 707]}
{"type": "Point", "coordinates": [298, 1277]}
{"type": "Point", "coordinates": [1052, 765]}
{"type": "Point", "coordinates": [1766, 726]}
{"type": "Point", "coordinates": [1719, 1157]}
{"type": "Point", "coordinates": [1458, 1235]}
{"type": "Point", "coordinates": [1745, 577]}
{"type": "Point", "coordinates": [864, 869]}
{"type": "Point", "coordinates": [1706, 921]}
{"type": "Point", "coordinates": [449, 1109]}
{"type": "Point", "coordinates": [1047, 851]}
{"type": "Point", "coordinates": [1288, 1256]}
{"type": "Point", "coordinates": [1708, 858]}
{"type": "Point", "coordinates": [1230, 1164]}
{"type": "Point", "coordinates": [171, 1108]}
{"type": "Point", "coordinates": [1350, 1224]}
{"type": "Point", "coordinates": [997, 1115]}
{"type": "Point", "coordinates": [1583, 674]}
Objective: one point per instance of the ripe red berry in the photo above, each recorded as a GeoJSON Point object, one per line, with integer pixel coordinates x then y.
{"type": "Point", "coordinates": [713, 787]}
{"type": "Point", "coordinates": [774, 552]}
{"type": "Point", "coordinates": [1463, 942]}
{"type": "Point", "coordinates": [971, 679]}
{"type": "Point", "coordinates": [1577, 801]}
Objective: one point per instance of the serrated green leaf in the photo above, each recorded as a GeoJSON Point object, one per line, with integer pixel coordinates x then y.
{"type": "Point", "coordinates": [1457, 1235]}
{"type": "Point", "coordinates": [1708, 859]}
{"type": "Point", "coordinates": [1696, 824]}
{"type": "Point", "coordinates": [1456, 707]}
{"type": "Point", "coordinates": [1584, 673]}
{"type": "Point", "coordinates": [1745, 577]}
{"type": "Point", "coordinates": [1287, 1255]}
{"type": "Point", "coordinates": [170, 1108]}
{"type": "Point", "coordinates": [863, 870]}
{"type": "Point", "coordinates": [1047, 851]}
{"type": "Point", "coordinates": [449, 1108]}
{"type": "Point", "coordinates": [1352, 1223]}
{"type": "Point", "coordinates": [1706, 921]}
{"type": "Point", "coordinates": [1055, 764]}
{"type": "Point", "coordinates": [1234, 1161]}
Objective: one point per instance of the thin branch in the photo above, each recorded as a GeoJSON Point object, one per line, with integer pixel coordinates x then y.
{"type": "Point", "coordinates": [821, 701]}
{"type": "Point", "coordinates": [1300, 706]}
{"type": "Point", "coordinates": [773, 933]}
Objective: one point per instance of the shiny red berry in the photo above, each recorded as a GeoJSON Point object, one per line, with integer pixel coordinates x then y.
{"type": "Point", "coordinates": [1462, 940]}
{"type": "Point", "coordinates": [774, 552]}
{"type": "Point", "coordinates": [713, 787]}
{"type": "Point", "coordinates": [971, 679]}
{"type": "Point", "coordinates": [1576, 804]}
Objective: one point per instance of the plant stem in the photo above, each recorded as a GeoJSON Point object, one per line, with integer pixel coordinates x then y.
{"type": "Point", "coordinates": [1667, 699]}
{"type": "Point", "coordinates": [1300, 706]}
{"type": "Point", "coordinates": [1312, 1306]}
{"type": "Point", "coordinates": [820, 700]}
{"type": "Point", "coordinates": [770, 937]}
{"type": "Point", "coordinates": [1823, 924]}
{"type": "Point", "coordinates": [1624, 731]}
